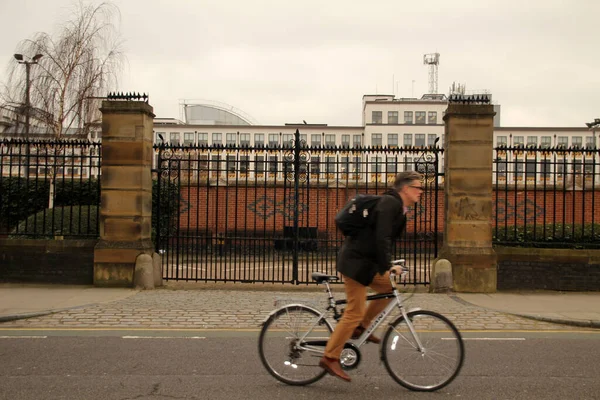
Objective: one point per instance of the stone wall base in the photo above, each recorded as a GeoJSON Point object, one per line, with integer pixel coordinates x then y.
{"type": "Point", "coordinates": [474, 269]}
{"type": "Point", "coordinates": [114, 262]}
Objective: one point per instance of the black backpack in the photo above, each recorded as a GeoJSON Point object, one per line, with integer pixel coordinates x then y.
{"type": "Point", "coordinates": [356, 214]}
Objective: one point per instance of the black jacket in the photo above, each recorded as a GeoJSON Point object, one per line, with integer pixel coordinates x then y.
{"type": "Point", "coordinates": [370, 252]}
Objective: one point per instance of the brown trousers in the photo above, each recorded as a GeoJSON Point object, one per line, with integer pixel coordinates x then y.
{"type": "Point", "coordinates": [355, 314]}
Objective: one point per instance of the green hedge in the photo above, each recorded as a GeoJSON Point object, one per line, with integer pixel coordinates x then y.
{"type": "Point", "coordinates": [21, 198]}
{"type": "Point", "coordinates": [166, 209]}
{"type": "Point", "coordinates": [71, 222]}
{"type": "Point", "coordinates": [550, 235]}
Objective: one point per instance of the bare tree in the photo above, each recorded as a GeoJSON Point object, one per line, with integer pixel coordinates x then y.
{"type": "Point", "coordinates": [78, 66]}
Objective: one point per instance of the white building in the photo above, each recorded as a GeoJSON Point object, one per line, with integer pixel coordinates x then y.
{"type": "Point", "coordinates": [407, 124]}
{"type": "Point", "coordinates": [388, 123]}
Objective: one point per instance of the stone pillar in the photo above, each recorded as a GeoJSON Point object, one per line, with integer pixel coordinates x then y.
{"type": "Point", "coordinates": [126, 184]}
{"type": "Point", "coordinates": [468, 191]}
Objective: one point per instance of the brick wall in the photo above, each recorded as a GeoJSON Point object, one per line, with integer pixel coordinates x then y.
{"type": "Point", "coordinates": [47, 261]}
{"type": "Point", "coordinates": [548, 269]}
{"type": "Point", "coordinates": [269, 208]}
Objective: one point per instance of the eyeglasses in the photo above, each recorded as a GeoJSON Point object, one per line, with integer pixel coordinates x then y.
{"type": "Point", "coordinates": [416, 187]}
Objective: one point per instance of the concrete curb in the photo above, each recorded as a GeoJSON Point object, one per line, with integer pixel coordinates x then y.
{"type": "Point", "coordinates": [16, 317]}
{"type": "Point", "coordinates": [561, 321]}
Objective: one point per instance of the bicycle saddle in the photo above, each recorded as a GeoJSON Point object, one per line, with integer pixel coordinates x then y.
{"type": "Point", "coordinates": [320, 277]}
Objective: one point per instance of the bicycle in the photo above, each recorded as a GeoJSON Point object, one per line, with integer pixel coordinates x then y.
{"type": "Point", "coordinates": [421, 350]}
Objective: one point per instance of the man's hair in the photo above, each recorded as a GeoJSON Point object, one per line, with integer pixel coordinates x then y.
{"type": "Point", "coordinates": [405, 178]}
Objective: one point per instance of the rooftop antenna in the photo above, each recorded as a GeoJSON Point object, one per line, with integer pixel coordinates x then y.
{"type": "Point", "coordinates": [433, 60]}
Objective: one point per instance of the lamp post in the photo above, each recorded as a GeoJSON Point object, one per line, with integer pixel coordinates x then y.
{"type": "Point", "coordinates": [593, 126]}
{"type": "Point", "coordinates": [20, 59]}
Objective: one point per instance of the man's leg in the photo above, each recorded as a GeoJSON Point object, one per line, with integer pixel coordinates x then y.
{"type": "Point", "coordinates": [353, 314]}
{"type": "Point", "coordinates": [380, 284]}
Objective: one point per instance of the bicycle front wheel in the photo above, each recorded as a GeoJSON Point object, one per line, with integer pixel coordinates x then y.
{"type": "Point", "coordinates": [428, 368]}
{"type": "Point", "coordinates": [292, 342]}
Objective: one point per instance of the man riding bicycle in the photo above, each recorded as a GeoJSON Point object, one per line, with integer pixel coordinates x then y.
{"type": "Point", "coordinates": [364, 260]}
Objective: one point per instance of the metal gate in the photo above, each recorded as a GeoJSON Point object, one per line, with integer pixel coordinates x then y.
{"type": "Point", "coordinates": [265, 213]}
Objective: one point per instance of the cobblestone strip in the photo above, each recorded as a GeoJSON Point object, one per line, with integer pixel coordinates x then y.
{"type": "Point", "coordinates": [234, 309]}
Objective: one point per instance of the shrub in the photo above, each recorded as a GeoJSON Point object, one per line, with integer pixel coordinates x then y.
{"type": "Point", "coordinates": [70, 222]}
{"type": "Point", "coordinates": [550, 235]}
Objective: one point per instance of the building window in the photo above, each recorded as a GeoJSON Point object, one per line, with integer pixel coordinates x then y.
{"type": "Point", "coordinates": [432, 117]}
{"type": "Point", "coordinates": [530, 168]}
{"type": "Point", "coordinates": [392, 139]}
{"type": "Point", "coordinates": [203, 139]}
{"type": "Point", "coordinates": [376, 164]}
{"type": "Point", "coordinates": [356, 164]}
{"type": "Point", "coordinates": [408, 117]}
{"type": "Point", "coordinates": [589, 142]}
{"type": "Point", "coordinates": [230, 163]}
{"type": "Point", "coordinates": [330, 140]}
{"type": "Point", "coordinates": [217, 139]}
{"type": "Point", "coordinates": [231, 139]}
{"type": "Point", "coordinates": [545, 166]}
{"type": "Point", "coordinates": [273, 164]}
{"type": "Point", "coordinates": [408, 165]}
{"type": "Point", "coordinates": [407, 140]}
{"type": "Point", "coordinates": [546, 142]}
{"type": "Point", "coordinates": [315, 140]}
{"type": "Point", "coordinates": [345, 165]}
{"type": "Point", "coordinates": [288, 140]}
{"type": "Point", "coordinates": [419, 117]}
{"type": "Point", "coordinates": [273, 140]}
{"type": "Point", "coordinates": [244, 164]}
{"type": "Point", "coordinates": [203, 163]}
{"type": "Point", "coordinates": [563, 142]}
{"type": "Point", "coordinates": [216, 163]}
{"type": "Point", "coordinates": [245, 139]}
{"type": "Point", "coordinates": [259, 139]}
{"type": "Point", "coordinates": [392, 117]}
{"type": "Point", "coordinates": [390, 166]}
{"type": "Point", "coordinates": [357, 140]}
{"type": "Point", "coordinates": [377, 117]}
{"type": "Point", "coordinates": [519, 168]}
{"type": "Point", "coordinates": [431, 139]}
{"type": "Point", "coordinates": [174, 138]}
{"type": "Point", "coordinates": [376, 139]}
{"type": "Point", "coordinates": [588, 167]}
{"type": "Point", "coordinates": [259, 164]}
{"type": "Point", "coordinates": [501, 141]}
{"type": "Point", "coordinates": [501, 168]}
{"type": "Point", "coordinates": [419, 140]}
{"type": "Point", "coordinates": [519, 141]}
{"type": "Point", "coordinates": [577, 142]}
{"type": "Point", "coordinates": [330, 164]}
{"type": "Point", "coordinates": [315, 165]}
{"type": "Point", "coordinates": [188, 138]}
{"type": "Point", "coordinates": [346, 141]}
{"type": "Point", "coordinates": [532, 141]}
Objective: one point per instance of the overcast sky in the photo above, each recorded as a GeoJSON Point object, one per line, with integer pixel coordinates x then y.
{"type": "Point", "coordinates": [286, 61]}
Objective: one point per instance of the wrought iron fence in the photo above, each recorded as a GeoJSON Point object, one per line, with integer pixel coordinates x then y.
{"type": "Point", "coordinates": [265, 214]}
{"type": "Point", "coordinates": [547, 196]}
{"type": "Point", "coordinates": [49, 188]}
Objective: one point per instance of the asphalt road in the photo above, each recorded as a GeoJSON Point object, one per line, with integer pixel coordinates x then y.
{"type": "Point", "coordinates": [219, 365]}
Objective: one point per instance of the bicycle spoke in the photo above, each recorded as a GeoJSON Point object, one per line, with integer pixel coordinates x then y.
{"type": "Point", "coordinates": [430, 368]}
{"type": "Point", "coordinates": [282, 349]}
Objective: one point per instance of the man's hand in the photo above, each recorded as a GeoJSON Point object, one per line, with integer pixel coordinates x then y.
{"type": "Point", "coordinates": [398, 269]}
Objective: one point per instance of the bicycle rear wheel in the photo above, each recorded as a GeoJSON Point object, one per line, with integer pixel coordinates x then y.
{"type": "Point", "coordinates": [430, 368]}
{"type": "Point", "coordinates": [292, 342]}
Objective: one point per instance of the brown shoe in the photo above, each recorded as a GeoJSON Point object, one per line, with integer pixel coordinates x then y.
{"type": "Point", "coordinates": [359, 331]}
{"type": "Point", "coordinates": [334, 368]}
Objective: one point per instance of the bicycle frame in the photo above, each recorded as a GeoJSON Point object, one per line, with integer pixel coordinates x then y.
{"type": "Point", "coordinates": [377, 321]}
